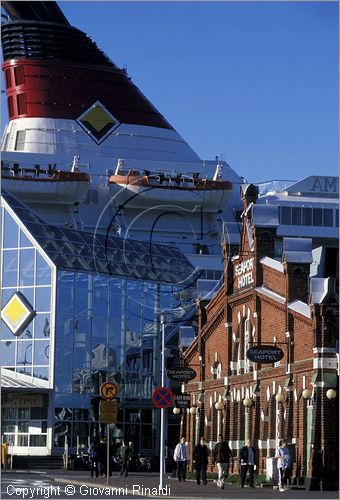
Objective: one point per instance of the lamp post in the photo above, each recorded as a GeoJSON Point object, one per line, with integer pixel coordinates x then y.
{"type": "Point", "coordinates": [247, 403]}
{"type": "Point", "coordinates": [162, 444]}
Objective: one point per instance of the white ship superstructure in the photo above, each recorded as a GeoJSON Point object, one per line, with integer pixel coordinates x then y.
{"type": "Point", "coordinates": [308, 208]}
{"type": "Point", "coordinates": [71, 106]}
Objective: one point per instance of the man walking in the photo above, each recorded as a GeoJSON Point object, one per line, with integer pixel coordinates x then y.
{"type": "Point", "coordinates": [247, 456]}
{"type": "Point", "coordinates": [221, 456]}
{"type": "Point", "coordinates": [125, 454]}
{"type": "Point", "coordinates": [182, 458]}
{"type": "Point", "coordinates": [201, 461]}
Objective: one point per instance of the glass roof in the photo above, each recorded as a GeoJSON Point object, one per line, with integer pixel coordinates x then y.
{"type": "Point", "coordinates": [75, 250]}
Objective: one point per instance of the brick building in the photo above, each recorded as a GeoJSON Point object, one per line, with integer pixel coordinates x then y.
{"type": "Point", "coordinates": [268, 298]}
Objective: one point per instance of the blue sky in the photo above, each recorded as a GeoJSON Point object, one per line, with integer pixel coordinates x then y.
{"type": "Point", "coordinates": [255, 83]}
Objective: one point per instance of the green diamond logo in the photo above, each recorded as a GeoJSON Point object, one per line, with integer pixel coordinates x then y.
{"type": "Point", "coordinates": [98, 122]}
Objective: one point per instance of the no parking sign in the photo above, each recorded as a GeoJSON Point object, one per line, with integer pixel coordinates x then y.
{"type": "Point", "coordinates": [163, 397]}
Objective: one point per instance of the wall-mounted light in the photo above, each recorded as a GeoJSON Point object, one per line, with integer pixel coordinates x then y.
{"type": "Point", "coordinates": [331, 394]}
{"type": "Point", "coordinates": [248, 402]}
{"type": "Point", "coordinates": [306, 394]}
{"type": "Point", "coordinates": [193, 410]}
{"type": "Point", "coordinates": [219, 405]}
{"type": "Point", "coordinates": [176, 411]}
{"type": "Point", "coordinates": [280, 397]}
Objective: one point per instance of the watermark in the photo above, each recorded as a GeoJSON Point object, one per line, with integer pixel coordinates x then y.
{"type": "Point", "coordinates": [84, 490]}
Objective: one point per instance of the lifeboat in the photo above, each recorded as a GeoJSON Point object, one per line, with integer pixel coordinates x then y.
{"type": "Point", "coordinates": [134, 189]}
{"type": "Point", "coordinates": [50, 185]}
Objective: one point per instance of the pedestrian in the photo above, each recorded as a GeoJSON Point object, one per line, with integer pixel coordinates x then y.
{"type": "Point", "coordinates": [221, 457]}
{"type": "Point", "coordinates": [103, 458]}
{"type": "Point", "coordinates": [125, 454]}
{"type": "Point", "coordinates": [94, 456]}
{"type": "Point", "coordinates": [248, 463]}
{"type": "Point", "coordinates": [200, 457]}
{"type": "Point", "coordinates": [182, 458]}
{"type": "Point", "coordinates": [283, 464]}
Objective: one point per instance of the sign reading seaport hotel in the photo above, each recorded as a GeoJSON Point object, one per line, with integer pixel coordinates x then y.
{"type": "Point", "coordinates": [244, 273]}
{"type": "Point", "coordinates": [264, 354]}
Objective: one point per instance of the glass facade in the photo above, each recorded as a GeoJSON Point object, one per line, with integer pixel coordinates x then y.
{"type": "Point", "coordinates": [96, 303]}
{"type": "Point", "coordinates": [24, 270]}
{"type": "Point", "coordinates": [308, 216]}
{"type": "Point", "coordinates": [107, 328]}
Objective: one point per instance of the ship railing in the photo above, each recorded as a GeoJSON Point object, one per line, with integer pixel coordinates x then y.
{"type": "Point", "coordinates": [14, 169]}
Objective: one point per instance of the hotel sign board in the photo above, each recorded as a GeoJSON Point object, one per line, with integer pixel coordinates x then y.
{"type": "Point", "coordinates": [182, 400]}
{"type": "Point", "coordinates": [266, 354]}
{"type": "Point", "coordinates": [243, 273]}
{"type": "Point", "coordinates": [181, 374]}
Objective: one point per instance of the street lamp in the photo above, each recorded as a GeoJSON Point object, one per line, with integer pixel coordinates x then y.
{"type": "Point", "coordinates": [248, 402]}
{"type": "Point", "coordinates": [306, 394]}
{"type": "Point", "coordinates": [219, 406]}
{"type": "Point", "coordinates": [176, 411]}
{"type": "Point", "coordinates": [331, 394]}
{"type": "Point", "coordinates": [193, 410]}
{"type": "Point", "coordinates": [280, 397]}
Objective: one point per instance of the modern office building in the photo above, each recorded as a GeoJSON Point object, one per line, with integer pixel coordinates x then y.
{"type": "Point", "coordinates": [79, 309]}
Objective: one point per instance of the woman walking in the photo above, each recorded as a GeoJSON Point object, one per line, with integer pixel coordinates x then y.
{"type": "Point", "coordinates": [283, 464]}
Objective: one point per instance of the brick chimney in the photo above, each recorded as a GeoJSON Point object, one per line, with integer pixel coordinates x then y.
{"type": "Point", "coordinates": [297, 257]}
{"type": "Point", "coordinates": [297, 281]}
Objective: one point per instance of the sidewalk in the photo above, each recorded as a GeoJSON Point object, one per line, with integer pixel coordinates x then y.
{"type": "Point", "coordinates": [147, 485]}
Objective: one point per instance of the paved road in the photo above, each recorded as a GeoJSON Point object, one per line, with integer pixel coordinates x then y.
{"type": "Point", "coordinates": [77, 485]}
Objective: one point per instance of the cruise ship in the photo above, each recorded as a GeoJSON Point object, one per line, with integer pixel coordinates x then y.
{"type": "Point", "coordinates": [308, 208]}
{"type": "Point", "coordinates": [73, 114]}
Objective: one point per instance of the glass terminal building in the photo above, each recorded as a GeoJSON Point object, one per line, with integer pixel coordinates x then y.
{"type": "Point", "coordinates": [79, 309]}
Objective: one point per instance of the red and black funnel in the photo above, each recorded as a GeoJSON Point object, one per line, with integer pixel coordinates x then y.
{"type": "Point", "coordinates": [53, 70]}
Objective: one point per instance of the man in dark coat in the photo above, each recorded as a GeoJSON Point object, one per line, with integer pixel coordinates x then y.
{"type": "Point", "coordinates": [125, 454]}
{"type": "Point", "coordinates": [94, 456]}
{"type": "Point", "coordinates": [221, 457]}
{"type": "Point", "coordinates": [248, 461]}
{"type": "Point", "coordinates": [200, 457]}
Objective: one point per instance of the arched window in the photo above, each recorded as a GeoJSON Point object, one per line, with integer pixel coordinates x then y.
{"type": "Point", "coordinates": [241, 351]}
{"type": "Point", "coordinates": [247, 340]}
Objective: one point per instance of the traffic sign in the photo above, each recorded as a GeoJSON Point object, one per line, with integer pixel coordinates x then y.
{"type": "Point", "coordinates": [163, 397]}
{"type": "Point", "coordinates": [108, 390]}
{"type": "Point", "coordinates": [108, 411]}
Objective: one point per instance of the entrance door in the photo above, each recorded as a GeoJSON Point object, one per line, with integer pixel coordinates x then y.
{"type": "Point", "coordinates": [25, 429]}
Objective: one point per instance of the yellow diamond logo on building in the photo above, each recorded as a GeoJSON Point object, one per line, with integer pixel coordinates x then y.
{"type": "Point", "coordinates": [98, 121]}
{"type": "Point", "coordinates": [17, 313]}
